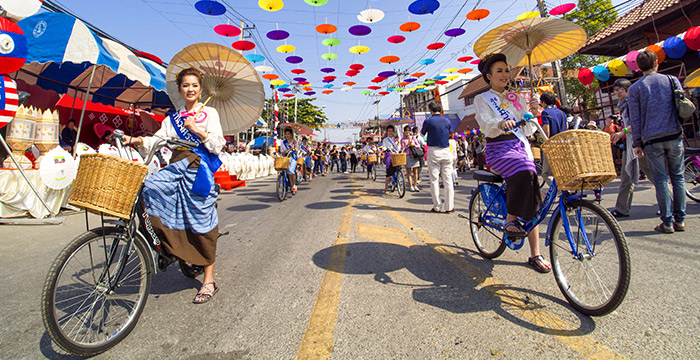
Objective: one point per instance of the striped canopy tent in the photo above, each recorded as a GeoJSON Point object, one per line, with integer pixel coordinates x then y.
{"type": "Point", "coordinates": [64, 54]}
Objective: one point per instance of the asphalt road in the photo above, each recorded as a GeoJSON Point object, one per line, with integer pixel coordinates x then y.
{"type": "Point", "coordinates": [340, 271]}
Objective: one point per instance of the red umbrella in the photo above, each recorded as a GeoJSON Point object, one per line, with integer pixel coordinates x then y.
{"type": "Point", "coordinates": [326, 29]}
{"type": "Point", "coordinates": [298, 71]}
{"type": "Point", "coordinates": [378, 79]}
{"type": "Point", "coordinates": [409, 26]}
{"type": "Point", "coordinates": [227, 30]}
{"type": "Point", "coordinates": [288, 95]}
{"type": "Point", "coordinates": [478, 14]}
{"type": "Point", "coordinates": [374, 87]}
{"type": "Point", "coordinates": [465, 58]}
{"type": "Point", "coordinates": [243, 45]}
{"type": "Point", "coordinates": [441, 82]}
{"type": "Point", "coordinates": [327, 91]}
{"type": "Point", "coordinates": [383, 93]}
{"type": "Point", "coordinates": [562, 9]}
{"type": "Point", "coordinates": [476, 62]}
{"type": "Point", "coordinates": [329, 78]}
{"type": "Point", "coordinates": [349, 83]}
{"type": "Point", "coordinates": [389, 59]}
{"type": "Point", "coordinates": [357, 67]}
{"type": "Point", "coordinates": [396, 39]}
{"type": "Point", "coordinates": [436, 46]}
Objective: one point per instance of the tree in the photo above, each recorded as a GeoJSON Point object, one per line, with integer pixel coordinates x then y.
{"type": "Point", "coordinates": [307, 113]}
{"type": "Point", "coordinates": [592, 16]}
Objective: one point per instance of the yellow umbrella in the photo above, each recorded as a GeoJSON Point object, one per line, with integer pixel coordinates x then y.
{"type": "Point", "coordinates": [359, 49]}
{"type": "Point", "coordinates": [231, 83]}
{"type": "Point", "coordinates": [286, 48]}
{"type": "Point", "coordinates": [617, 67]}
{"type": "Point", "coordinates": [451, 70]}
{"type": "Point", "coordinates": [271, 5]}
{"type": "Point", "coordinates": [420, 86]}
{"type": "Point", "coordinates": [528, 15]}
{"type": "Point", "coordinates": [277, 82]}
{"type": "Point", "coordinates": [452, 77]}
{"type": "Point", "coordinates": [693, 80]}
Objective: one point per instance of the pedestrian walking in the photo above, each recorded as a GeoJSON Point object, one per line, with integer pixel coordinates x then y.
{"type": "Point", "coordinates": [353, 159]}
{"type": "Point", "coordinates": [421, 143]}
{"type": "Point", "coordinates": [657, 134]}
{"type": "Point", "coordinates": [343, 156]}
{"type": "Point", "coordinates": [414, 153]}
{"type": "Point", "coordinates": [439, 158]}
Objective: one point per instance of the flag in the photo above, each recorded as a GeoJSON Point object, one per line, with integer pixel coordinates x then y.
{"type": "Point", "coordinates": [32, 153]}
{"type": "Point", "coordinates": [9, 100]}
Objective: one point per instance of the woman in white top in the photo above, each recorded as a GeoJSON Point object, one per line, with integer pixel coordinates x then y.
{"type": "Point", "coordinates": [289, 148]}
{"type": "Point", "coordinates": [180, 199]}
{"type": "Point", "coordinates": [391, 145]}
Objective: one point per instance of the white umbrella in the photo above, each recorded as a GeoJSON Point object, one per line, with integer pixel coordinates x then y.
{"type": "Point", "coordinates": [58, 169]}
{"type": "Point", "coordinates": [370, 16]}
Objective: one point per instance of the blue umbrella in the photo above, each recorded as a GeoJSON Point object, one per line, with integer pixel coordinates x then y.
{"type": "Point", "coordinates": [254, 58]}
{"type": "Point", "coordinates": [328, 86]}
{"type": "Point", "coordinates": [601, 73]}
{"type": "Point", "coordinates": [426, 61]}
{"type": "Point", "coordinates": [439, 77]}
{"type": "Point", "coordinates": [207, 7]}
{"type": "Point", "coordinates": [422, 7]}
{"type": "Point", "coordinates": [259, 142]}
{"type": "Point", "coordinates": [674, 47]}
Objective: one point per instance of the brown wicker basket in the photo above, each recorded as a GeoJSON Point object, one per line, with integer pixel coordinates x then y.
{"type": "Point", "coordinates": [372, 158]}
{"type": "Point", "coordinates": [536, 152]}
{"type": "Point", "coordinates": [398, 159]}
{"type": "Point", "coordinates": [363, 157]}
{"type": "Point", "coordinates": [107, 184]}
{"type": "Point", "coordinates": [580, 158]}
{"type": "Point", "coordinates": [282, 163]}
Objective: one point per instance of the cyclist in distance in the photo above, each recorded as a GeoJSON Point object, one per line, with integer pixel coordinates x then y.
{"type": "Point", "coordinates": [391, 144]}
{"type": "Point", "coordinates": [289, 148]}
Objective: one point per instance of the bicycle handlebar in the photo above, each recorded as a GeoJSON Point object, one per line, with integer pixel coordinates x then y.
{"type": "Point", "coordinates": [526, 119]}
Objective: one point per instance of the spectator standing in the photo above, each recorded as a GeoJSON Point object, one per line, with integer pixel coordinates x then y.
{"type": "Point", "coordinates": [657, 134]}
{"type": "Point", "coordinates": [409, 145]}
{"type": "Point", "coordinates": [68, 135]}
{"type": "Point", "coordinates": [421, 143]}
{"type": "Point", "coordinates": [353, 159]}
{"type": "Point", "coordinates": [343, 155]}
{"type": "Point", "coordinates": [439, 158]}
{"type": "Point", "coordinates": [453, 151]}
{"type": "Point", "coordinates": [554, 121]}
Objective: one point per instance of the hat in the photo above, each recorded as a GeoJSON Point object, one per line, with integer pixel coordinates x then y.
{"type": "Point", "coordinates": [487, 62]}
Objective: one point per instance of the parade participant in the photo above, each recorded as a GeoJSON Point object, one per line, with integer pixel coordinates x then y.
{"type": "Point", "coordinates": [353, 159]}
{"type": "Point", "coordinates": [412, 162]}
{"type": "Point", "coordinates": [439, 157]}
{"type": "Point", "coordinates": [343, 155]}
{"type": "Point", "coordinates": [289, 148]}
{"type": "Point", "coordinates": [305, 149]}
{"type": "Point", "coordinates": [335, 161]}
{"type": "Point", "coordinates": [318, 160]}
{"type": "Point", "coordinates": [508, 153]}
{"type": "Point", "coordinates": [391, 145]}
{"type": "Point", "coordinates": [369, 149]}
{"type": "Point", "coordinates": [630, 163]}
{"type": "Point", "coordinates": [180, 199]}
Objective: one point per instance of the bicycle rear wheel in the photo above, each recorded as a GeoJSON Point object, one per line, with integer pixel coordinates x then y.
{"type": "Point", "coordinates": [691, 174]}
{"type": "Point", "coordinates": [400, 183]}
{"type": "Point", "coordinates": [488, 241]}
{"type": "Point", "coordinates": [594, 283]}
{"type": "Point", "coordinates": [281, 189]}
{"type": "Point", "coordinates": [82, 313]}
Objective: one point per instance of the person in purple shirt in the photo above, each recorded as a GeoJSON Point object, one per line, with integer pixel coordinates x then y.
{"type": "Point", "coordinates": [439, 158]}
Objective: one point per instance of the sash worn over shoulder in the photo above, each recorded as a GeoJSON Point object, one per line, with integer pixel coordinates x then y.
{"type": "Point", "coordinates": [507, 114]}
{"type": "Point", "coordinates": [287, 146]}
{"type": "Point", "coordinates": [208, 163]}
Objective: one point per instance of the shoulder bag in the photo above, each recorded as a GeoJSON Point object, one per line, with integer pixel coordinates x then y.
{"type": "Point", "coordinates": [685, 107]}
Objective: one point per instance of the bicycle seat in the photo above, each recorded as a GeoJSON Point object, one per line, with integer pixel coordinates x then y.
{"type": "Point", "coordinates": [692, 151]}
{"type": "Point", "coordinates": [487, 176]}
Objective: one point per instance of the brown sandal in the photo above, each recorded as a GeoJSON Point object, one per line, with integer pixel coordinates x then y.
{"type": "Point", "coordinates": [206, 295]}
{"type": "Point", "coordinates": [538, 263]}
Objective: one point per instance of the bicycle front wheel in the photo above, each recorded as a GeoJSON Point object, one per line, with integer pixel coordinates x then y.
{"type": "Point", "coordinates": [401, 183]}
{"type": "Point", "coordinates": [281, 187]}
{"type": "Point", "coordinates": [82, 312]}
{"type": "Point", "coordinates": [488, 240]}
{"type": "Point", "coordinates": [691, 174]}
{"type": "Point", "coordinates": [594, 282]}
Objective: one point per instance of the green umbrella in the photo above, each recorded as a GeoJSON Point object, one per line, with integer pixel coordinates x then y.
{"type": "Point", "coordinates": [330, 42]}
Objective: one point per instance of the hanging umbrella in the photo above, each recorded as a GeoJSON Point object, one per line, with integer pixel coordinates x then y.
{"type": "Point", "coordinates": [359, 49]}
{"type": "Point", "coordinates": [478, 14]}
{"type": "Point", "coordinates": [58, 169]}
{"type": "Point", "coordinates": [326, 29]}
{"type": "Point", "coordinates": [396, 39]}
{"type": "Point", "coordinates": [389, 59]}
{"type": "Point", "coordinates": [330, 77]}
{"type": "Point", "coordinates": [693, 80]}
{"type": "Point", "coordinates": [436, 46]}
{"type": "Point", "coordinates": [360, 30]}
{"type": "Point", "coordinates": [270, 76]}
{"type": "Point", "coordinates": [264, 68]}
{"type": "Point", "coordinates": [277, 82]}
{"type": "Point", "coordinates": [271, 5]}
{"type": "Point", "coordinates": [418, 74]}
{"type": "Point", "coordinates": [243, 45]}
{"type": "Point", "coordinates": [294, 59]}
{"type": "Point", "coordinates": [277, 35]}
{"type": "Point", "coordinates": [330, 42]}
{"type": "Point", "coordinates": [370, 16]}
{"type": "Point", "coordinates": [316, 2]}
{"type": "Point", "coordinates": [329, 56]}
{"type": "Point", "coordinates": [426, 61]}
{"type": "Point", "coordinates": [386, 74]}
{"type": "Point", "coordinates": [409, 26]}
{"type": "Point", "coordinates": [562, 9]}
{"type": "Point", "coordinates": [357, 67]}
{"type": "Point", "coordinates": [327, 92]}
{"type": "Point", "coordinates": [349, 83]}
{"type": "Point", "coordinates": [298, 79]}
{"type": "Point", "coordinates": [255, 58]}
{"type": "Point", "coordinates": [465, 70]}
{"type": "Point", "coordinates": [422, 7]}
{"type": "Point", "coordinates": [233, 86]}
{"type": "Point", "coordinates": [227, 30]}
{"type": "Point", "coordinates": [286, 48]}
{"type": "Point", "coordinates": [465, 58]}
{"type": "Point", "coordinates": [328, 70]}
{"type": "Point", "coordinates": [455, 32]}
{"type": "Point", "coordinates": [298, 71]}
{"type": "Point", "coordinates": [532, 42]}
{"type": "Point", "coordinates": [528, 15]}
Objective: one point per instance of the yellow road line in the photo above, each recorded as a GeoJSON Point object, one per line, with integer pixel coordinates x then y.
{"type": "Point", "coordinates": [384, 234]}
{"type": "Point", "coordinates": [318, 337]}
{"type": "Point", "coordinates": [529, 310]}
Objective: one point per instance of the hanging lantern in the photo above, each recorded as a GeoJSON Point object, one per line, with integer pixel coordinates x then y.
{"type": "Point", "coordinates": [585, 76]}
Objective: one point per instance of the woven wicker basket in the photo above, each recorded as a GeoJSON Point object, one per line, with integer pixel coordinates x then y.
{"type": "Point", "coordinates": [580, 158]}
{"type": "Point", "coordinates": [536, 152]}
{"type": "Point", "coordinates": [107, 184]}
{"type": "Point", "coordinates": [282, 163]}
{"type": "Point", "coordinates": [398, 159]}
{"type": "Point", "coordinates": [372, 158]}
{"type": "Point", "coordinates": [363, 157]}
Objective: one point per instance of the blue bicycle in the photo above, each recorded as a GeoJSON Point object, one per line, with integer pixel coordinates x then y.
{"type": "Point", "coordinates": [588, 250]}
{"type": "Point", "coordinates": [284, 185]}
{"type": "Point", "coordinates": [397, 182]}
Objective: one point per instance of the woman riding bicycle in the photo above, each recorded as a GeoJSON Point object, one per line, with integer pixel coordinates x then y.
{"type": "Point", "coordinates": [305, 151]}
{"type": "Point", "coordinates": [180, 199]}
{"type": "Point", "coordinates": [390, 145]}
{"type": "Point", "coordinates": [368, 150]}
{"type": "Point", "coordinates": [289, 148]}
{"type": "Point", "coordinates": [508, 153]}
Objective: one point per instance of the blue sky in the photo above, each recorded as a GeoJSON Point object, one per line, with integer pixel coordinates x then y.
{"type": "Point", "coordinates": [163, 27]}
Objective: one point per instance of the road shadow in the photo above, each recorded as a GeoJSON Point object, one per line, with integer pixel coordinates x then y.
{"type": "Point", "coordinates": [445, 287]}
{"type": "Point", "coordinates": [326, 205]}
{"type": "Point", "coordinates": [46, 346]}
{"type": "Point", "coordinates": [248, 207]}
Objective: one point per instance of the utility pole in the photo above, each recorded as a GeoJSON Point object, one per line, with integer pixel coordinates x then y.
{"type": "Point", "coordinates": [556, 65]}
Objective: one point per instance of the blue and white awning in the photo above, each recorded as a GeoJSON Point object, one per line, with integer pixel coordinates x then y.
{"type": "Point", "coordinates": [63, 51]}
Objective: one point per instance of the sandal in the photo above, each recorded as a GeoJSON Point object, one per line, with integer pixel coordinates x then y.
{"type": "Point", "coordinates": [518, 232]}
{"type": "Point", "coordinates": [618, 214]}
{"type": "Point", "coordinates": [206, 295]}
{"type": "Point", "coordinates": [662, 228]}
{"type": "Point", "coordinates": [538, 263]}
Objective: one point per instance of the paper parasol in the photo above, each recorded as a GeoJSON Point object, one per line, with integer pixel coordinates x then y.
{"type": "Point", "coordinates": [422, 7]}
{"type": "Point", "coordinates": [208, 7]}
{"type": "Point", "coordinates": [436, 46]}
{"type": "Point", "coordinates": [326, 29]}
{"type": "Point", "coordinates": [294, 59]}
{"type": "Point", "coordinates": [478, 14]}
{"type": "Point", "coordinates": [298, 79]}
{"type": "Point", "coordinates": [455, 32]}
{"type": "Point", "coordinates": [418, 74]}
{"type": "Point", "coordinates": [384, 93]}
{"type": "Point", "coordinates": [238, 91]}
{"type": "Point", "coordinates": [327, 91]}
{"type": "Point", "coordinates": [693, 80]}
{"type": "Point", "coordinates": [465, 58]}
{"type": "Point", "coordinates": [370, 16]}
{"type": "Point", "coordinates": [465, 70]}
{"type": "Point", "coordinates": [528, 15]}
{"type": "Point", "coordinates": [255, 58]}
{"type": "Point", "coordinates": [357, 67]}
{"type": "Point", "coordinates": [243, 45]}
{"type": "Point", "coordinates": [329, 56]}
{"type": "Point", "coordinates": [264, 68]}
{"type": "Point", "coordinates": [298, 71]}
{"type": "Point", "coordinates": [386, 74]}
{"type": "Point", "coordinates": [227, 30]}
{"type": "Point", "coordinates": [330, 42]}
{"type": "Point", "coordinates": [57, 169]}
{"type": "Point", "coordinates": [360, 30]}
{"type": "Point", "coordinates": [316, 2]}
{"type": "Point", "coordinates": [359, 49]}
{"type": "Point", "coordinates": [271, 5]}
{"type": "Point", "coordinates": [270, 76]}
{"type": "Point", "coordinates": [286, 48]}
{"type": "Point", "coordinates": [409, 26]}
{"type": "Point", "coordinates": [349, 83]}
{"type": "Point", "coordinates": [13, 46]}
{"type": "Point", "coordinates": [390, 59]}
{"type": "Point", "coordinates": [328, 70]}
{"type": "Point", "coordinates": [277, 35]}
{"type": "Point", "coordinates": [562, 9]}
{"type": "Point", "coordinates": [396, 39]}
{"type": "Point", "coordinates": [426, 61]}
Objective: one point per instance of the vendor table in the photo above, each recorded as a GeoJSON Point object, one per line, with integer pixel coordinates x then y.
{"type": "Point", "coordinates": [17, 198]}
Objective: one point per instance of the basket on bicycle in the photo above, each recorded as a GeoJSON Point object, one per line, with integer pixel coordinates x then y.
{"type": "Point", "coordinates": [372, 158]}
{"type": "Point", "coordinates": [398, 159]}
{"type": "Point", "coordinates": [363, 158]}
{"type": "Point", "coordinates": [107, 184]}
{"type": "Point", "coordinates": [580, 159]}
{"type": "Point", "coordinates": [282, 163]}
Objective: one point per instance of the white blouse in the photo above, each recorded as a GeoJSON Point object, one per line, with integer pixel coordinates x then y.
{"type": "Point", "coordinates": [488, 118]}
{"type": "Point", "coordinates": [207, 121]}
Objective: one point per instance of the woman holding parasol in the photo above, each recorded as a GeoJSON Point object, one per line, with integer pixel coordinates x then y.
{"type": "Point", "coordinates": [508, 153]}
{"type": "Point", "coordinates": [180, 199]}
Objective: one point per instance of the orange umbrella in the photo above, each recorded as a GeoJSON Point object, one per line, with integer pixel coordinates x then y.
{"type": "Point", "coordinates": [464, 71]}
{"type": "Point", "coordinates": [409, 26]}
{"type": "Point", "coordinates": [326, 29]}
{"type": "Point", "coordinates": [270, 77]}
{"type": "Point", "coordinates": [418, 74]}
{"type": "Point", "coordinates": [389, 59]}
{"type": "Point", "coordinates": [349, 83]}
{"type": "Point", "coordinates": [478, 14]}
{"type": "Point", "coordinates": [403, 83]}
{"type": "Point", "coordinates": [659, 51]}
{"type": "Point", "coordinates": [327, 91]}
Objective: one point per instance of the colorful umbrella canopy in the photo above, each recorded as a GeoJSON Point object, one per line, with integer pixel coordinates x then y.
{"type": "Point", "coordinates": [329, 56]}
{"type": "Point", "coordinates": [693, 80]}
{"type": "Point", "coordinates": [329, 77]}
{"type": "Point", "coordinates": [330, 42]}
{"type": "Point", "coordinates": [475, 62]}
{"type": "Point", "coordinates": [328, 70]}
{"type": "Point", "coordinates": [294, 59]}
{"type": "Point", "coordinates": [455, 32]}
{"type": "Point", "coordinates": [659, 51]}
{"type": "Point", "coordinates": [617, 67]}
{"type": "Point", "coordinates": [386, 74]}
{"type": "Point", "coordinates": [316, 2]}
{"type": "Point", "coordinates": [349, 83]}
{"type": "Point", "coordinates": [346, 88]}
{"type": "Point", "coordinates": [426, 61]}
{"type": "Point", "coordinates": [227, 30]}
{"type": "Point", "coordinates": [207, 7]}
{"type": "Point", "coordinates": [360, 30]}
{"type": "Point", "coordinates": [601, 73]}
{"type": "Point", "coordinates": [298, 71]}
{"type": "Point", "coordinates": [286, 48]}
{"type": "Point", "coordinates": [298, 79]}
{"type": "Point", "coordinates": [532, 41]}
{"type": "Point", "coordinates": [327, 91]}
{"type": "Point", "coordinates": [389, 59]}
{"type": "Point", "coordinates": [357, 67]}
{"type": "Point", "coordinates": [478, 14]}
{"type": "Point", "coordinates": [288, 95]}
{"type": "Point", "coordinates": [428, 82]}
{"type": "Point", "coordinates": [418, 74]}
{"type": "Point", "coordinates": [243, 45]}
{"type": "Point", "coordinates": [359, 49]}
{"type": "Point", "coordinates": [365, 92]}
{"type": "Point", "coordinates": [13, 47]}
{"type": "Point", "coordinates": [309, 93]}
{"type": "Point", "coordinates": [271, 5]}
{"type": "Point", "coordinates": [255, 58]}
{"type": "Point", "coordinates": [283, 89]}
{"type": "Point", "coordinates": [277, 82]}
{"type": "Point", "coordinates": [422, 7]}
{"type": "Point", "coordinates": [465, 58]}
{"type": "Point", "coordinates": [277, 35]}
{"type": "Point", "coordinates": [465, 70]}
{"type": "Point", "coordinates": [374, 87]}
{"type": "Point", "coordinates": [409, 26]}
{"type": "Point", "coordinates": [326, 29]}
{"type": "Point", "coordinates": [562, 9]}
{"type": "Point", "coordinates": [370, 16]}
{"type": "Point", "coordinates": [383, 93]}
{"type": "Point", "coordinates": [528, 15]}
{"type": "Point", "coordinates": [452, 77]}
{"type": "Point", "coordinates": [396, 39]}
{"type": "Point", "coordinates": [403, 83]}
{"type": "Point", "coordinates": [238, 93]}
{"type": "Point", "coordinates": [410, 80]}
{"type": "Point", "coordinates": [451, 70]}
{"type": "Point", "coordinates": [442, 82]}
{"type": "Point", "coordinates": [436, 46]}
{"type": "Point", "coordinates": [263, 68]}
{"type": "Point", "coordinates": [270, 76]}
{"type": "Point", "coordinates": [327, 82]}
{"type": "Point", "coordinates": [440, 77]}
